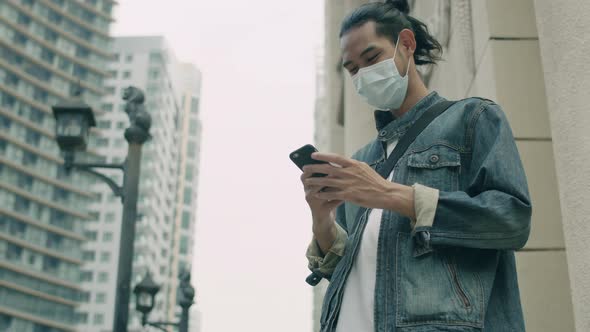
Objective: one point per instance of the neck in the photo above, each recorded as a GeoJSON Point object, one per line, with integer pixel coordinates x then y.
{"type": "Point", "coordinates": [416, 91]}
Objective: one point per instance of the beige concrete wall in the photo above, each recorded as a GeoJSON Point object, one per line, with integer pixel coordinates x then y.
{"type": "Point", "coordinates": [563, 27]}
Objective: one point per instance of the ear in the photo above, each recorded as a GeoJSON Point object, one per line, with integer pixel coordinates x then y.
{"type": "Point", "coordinates": [407, 42]}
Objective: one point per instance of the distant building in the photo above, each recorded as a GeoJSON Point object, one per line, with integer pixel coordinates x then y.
{"type": "Point", "coordinates": [168, 182]}
{"type": "Point", "coordinates": [46, 48]}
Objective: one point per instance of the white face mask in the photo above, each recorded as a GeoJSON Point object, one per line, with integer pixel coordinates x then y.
{"type": "Point", "coordinates": [381, 85]}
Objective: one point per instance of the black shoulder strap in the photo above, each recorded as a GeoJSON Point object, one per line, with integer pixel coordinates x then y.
{"type": "Point", "coordinates": [404, 143]}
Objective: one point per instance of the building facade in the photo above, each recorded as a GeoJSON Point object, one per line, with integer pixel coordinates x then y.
{"type": "Point", "coordinates": [495, 49]}
{"type": "Point", "coordinates": [47, 49]}
{"type": "Point", "coordinates": [169, 173]}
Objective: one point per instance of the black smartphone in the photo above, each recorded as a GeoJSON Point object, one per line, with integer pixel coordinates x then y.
{"type": "Point", "coordinates": [302, 157]}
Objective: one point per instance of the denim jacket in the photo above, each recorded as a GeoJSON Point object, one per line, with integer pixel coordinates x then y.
{"type": "Point", "coordinates": [453, 268]}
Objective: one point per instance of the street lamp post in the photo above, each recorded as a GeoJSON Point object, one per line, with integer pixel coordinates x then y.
{"type": "Point", "coordinates": [73, 121]}
{"type": "Point", "coordinates": [145, 293]}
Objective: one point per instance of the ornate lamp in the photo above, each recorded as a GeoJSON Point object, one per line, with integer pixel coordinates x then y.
{"type": "Point", "coordinates": [73, 121]}
{"type": "Point", "coordinates": [145, 292]}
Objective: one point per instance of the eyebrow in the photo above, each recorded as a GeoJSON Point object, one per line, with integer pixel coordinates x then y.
{"type": "Point", "coordinates": [367, 50]}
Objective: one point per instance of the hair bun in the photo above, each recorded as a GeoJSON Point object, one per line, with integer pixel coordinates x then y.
{"type": "Point", "coordinates": [401, 5]}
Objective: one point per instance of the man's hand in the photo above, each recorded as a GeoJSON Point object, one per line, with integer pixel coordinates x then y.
{"type": "Point", "coordinates": [358, 183]}
{"type": "Point", "coordinates": [321, 209]}
{"type": "Point", "coordinates": [323, 215]}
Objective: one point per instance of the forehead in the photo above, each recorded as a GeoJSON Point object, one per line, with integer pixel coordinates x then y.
{"type": "Point", "coordinates": [357, 39]}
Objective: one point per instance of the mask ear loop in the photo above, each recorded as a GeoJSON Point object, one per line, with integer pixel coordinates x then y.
{"type": "Point", "coordinates": [408, 68]}
{"type": "Point", "coordinates": [395, 53]}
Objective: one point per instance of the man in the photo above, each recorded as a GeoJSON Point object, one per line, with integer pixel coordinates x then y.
{"type": "Point", "coordinates": [432, 248]}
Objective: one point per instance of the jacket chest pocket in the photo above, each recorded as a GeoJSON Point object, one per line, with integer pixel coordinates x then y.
{"type": "Point", "coordinates": [437, 167]}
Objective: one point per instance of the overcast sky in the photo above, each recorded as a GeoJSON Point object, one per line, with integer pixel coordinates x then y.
{"type": "Point", "coordinates": [258, 62]}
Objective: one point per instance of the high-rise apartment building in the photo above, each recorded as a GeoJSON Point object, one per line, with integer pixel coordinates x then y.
{"type": "Point", "coordinates": [46, 48]}
{"type": "Point", "coordinates": [169, 172]}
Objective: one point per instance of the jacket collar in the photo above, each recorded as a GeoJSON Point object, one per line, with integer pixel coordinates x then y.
{"type": "Point", "coordinates": [390, 128]}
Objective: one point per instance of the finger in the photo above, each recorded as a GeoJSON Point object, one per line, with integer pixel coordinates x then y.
{"type": "Point", "coordinates": [333, 158]}
{"type": "Point", "coordinates": [326, 182]}
{"type": "Point", "coordinates": [311, 190]}
{"type": "Point", "coordinates": [333, 204]}
{"type": "Point", "coordinates": [338, 195]}
{"type": "Point", "coordinates": [323, 169]}
{"type": "Point", "coordinates": [306, 174]}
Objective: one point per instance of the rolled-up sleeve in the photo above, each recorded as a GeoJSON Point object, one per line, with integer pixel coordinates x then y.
{"type": "Point", "coordinates": [425, 202]}
{"type": "Point", "coordinates": [325, 264]}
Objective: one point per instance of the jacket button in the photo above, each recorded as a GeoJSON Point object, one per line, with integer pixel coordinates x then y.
{"type": "Point", "coordinates": [434, 159]}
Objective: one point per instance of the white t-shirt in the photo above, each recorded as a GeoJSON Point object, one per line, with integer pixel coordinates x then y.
{"type": "Point", "coordinates": [356, 311]}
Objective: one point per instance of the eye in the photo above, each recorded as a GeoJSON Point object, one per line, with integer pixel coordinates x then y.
{"type": "Point", "coordinates": [374, 57]}
{"type": "Point", "coordinates": [354, 70]}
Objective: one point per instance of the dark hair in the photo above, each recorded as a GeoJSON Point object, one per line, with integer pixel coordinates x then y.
{"type": "Point", "coordinates": [391, 17]}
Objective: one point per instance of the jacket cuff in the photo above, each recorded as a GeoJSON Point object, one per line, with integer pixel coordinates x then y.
{"type": "Point", "coordinates": [325, 264]}
{"type": "Point", "coordinates": [425, 203]}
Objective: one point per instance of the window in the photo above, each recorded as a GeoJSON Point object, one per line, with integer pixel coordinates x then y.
{"type": "Point", "coordinates": [94, 215]}
{"type": "Point", "coordinates": [129, 58]}
{"type": "Point", "coordinates": [32, 137]}
{"type": "Point", "coordinates": [82, 52]}
{"type": "Point", "coordinates": [55, 241]}
{"type": "Point", "coordinates": [21, 205]}
{"type": "Point", "coordinates": [60, 194]}
{"type": "Point", "coordinates": [86, 276]}
{"type": "Point", "coordinates": [13, 252]}
{"type": "Point", "coordinates": [103, 277]}
{"type": "Point", "coordinates": [90, 235]}
{"type": "Point", "coordinates": [105, 256]}
{"type": "Point", "coordinates": [194, 105]}
{"type": "Point", "coordinates": [102, 142]}
{"type": "Point", "coordinates": [104, 124]}
{"type": "Point", "coordinates": [154, 74]}
{"type": "Point", "coordinates": [127, 74]}
{"type": "Point", "coordinates": [193, 125]}
{"type": "Point", "coordinates": [188, 173]}
{"type": "Point", "coordinates": [11, 80]}
{"type": "Point", "coordinates": [186, 220]}
{"type": "Point", "coordinates": [188, 193]}
{"type": "Point", "coordinates": [98, 319]}
{"type": "Point", "coordinates": [88, 256]}
{"type": "Point", "coordinates": [80, 72]}
{"type": "Point", "coordinates": [191, 149]}
{"type": "Point", "coordinates": [82, 317]}
{"type": "Point", "coordinates": [19, 39]}
{"type": "Point", "coordinates": [84, 297]}
{"type": "Point", "coordinates": [29, 159]}
{"type": "Point", "coordinates": [112, 74]}
{"type": "Point", "coordinates": [101, 297]}
{"type": "Point", "coordinates": [108, 107]}
{"type": "Point", "coordinates": [116, 57]}
{"type": "Point", "coordinates": [183, 245]}
{"type": "Point", "coordinates": [50, 36]}
{"type": "Point", "coordinates": [120, 125]}
{"type": "Point", "coordinates": [110, 89]}
{"type": "Point", "coordinates": [36, 115]}
{"type": "Point", "coordinates": [54, 17]}
{"type": "Point", "coordinates": [107, 237]}
{"type": "Point", "coordinates": [109, 217]}
{"type": "Point", "coordinates": [50, 264]}
{"type": "Point", "coordinates": [23, 19]}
